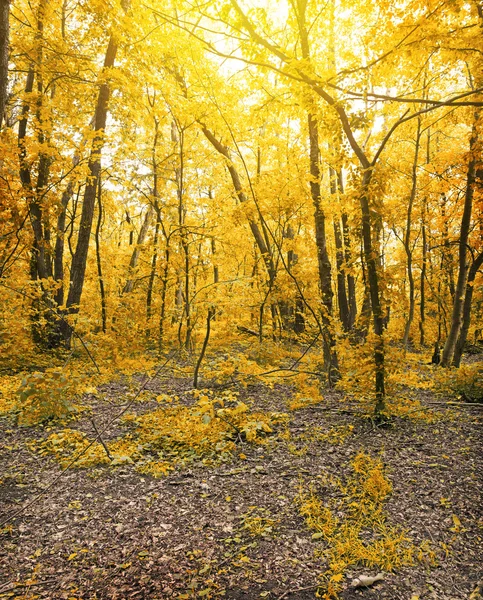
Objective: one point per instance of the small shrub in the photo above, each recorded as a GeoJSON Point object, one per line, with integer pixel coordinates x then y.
{"type": "Point", "coordinates": [465, 383]}
{"type": "Point", "coordinates": [43, 396]}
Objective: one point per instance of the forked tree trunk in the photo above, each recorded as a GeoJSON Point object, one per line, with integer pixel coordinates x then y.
{"type": "Point", "coordinates": [133, 263]}
{"type": "Point", "coordinates": [460, 344]}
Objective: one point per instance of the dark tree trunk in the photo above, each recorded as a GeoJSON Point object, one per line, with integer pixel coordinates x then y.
{"type": "Point", "coordinates": [344, 313]}
{"type": "Point", "coordinates": [79, 260]}
{"type": "Point", "coordinates": [371, 257]}
{"type": "Point", "coordinates": [351, 283]}
{"type": "Point", "coordinates": [260, 238]}
{"type": "Point", "coordinates": [466, 319]}
{"type": "Point", "coordinates": [407, 238]}
{"type": "Point", "coordinates": [457, 315]}
{"type": "Point", "coordinates": [422, 303]}
{"type": "Point", "coordinates": [102, 288]}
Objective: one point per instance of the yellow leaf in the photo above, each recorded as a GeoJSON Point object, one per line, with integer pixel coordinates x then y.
{"type": "Point", "coordinates": [457, 524]}
{"type": "Point", "coordinates": [72, 556]}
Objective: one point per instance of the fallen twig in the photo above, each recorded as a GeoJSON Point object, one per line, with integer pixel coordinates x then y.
{"type": "Point", "coordinates": [48, 487]}
{"type": "Point", "coordinates": [13, 586]}
{"type": "Point", "coordinates": [99, 437]}
{"type": "Point", "coordinates": [300, 589]}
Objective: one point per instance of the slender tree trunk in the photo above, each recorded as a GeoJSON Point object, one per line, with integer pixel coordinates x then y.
{"type": "Point", "coordinates": [466, 318]}
{"type": "Point", "coordinates": [447, 253]}
{"type": "Point", "coordinates": [260, 238]}
{"type": "Point", "coordinates": [79, 260]}
{"type": "Point", "coordinates": [371, 257]}
{"type": "Point", "coordinates": [422, 285]}
{"type": "Point", "coordinates": [4, 48]}
{"type": "Point", "coordinates": [209, 318]}
{"type": "Point", "coordinates": [324, 267]}
{"type": "Point", "coordinates": [457, 315]}
{"type": "Point", "coordinates": [157, 227]}
{"type": "Point", "coordinates": [341, 279]}
{"type": "Point", "coordinates": [407, 237]}
{"type": "Point", "coordinates": [133, 263]}
{"type": "Point", "coordinates": [351, 283]}
{"type": "Point", "coordinates": [216, 271]}
{"type": "Point", "coordinates": [98, 258]}
{"type": "Point", "coordinates": [323, 262]}
{"type": "Point", "coordinates": [152, 273]}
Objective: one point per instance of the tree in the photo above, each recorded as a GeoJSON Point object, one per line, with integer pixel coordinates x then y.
{"type": "Point", "coordinates": [4, 51]}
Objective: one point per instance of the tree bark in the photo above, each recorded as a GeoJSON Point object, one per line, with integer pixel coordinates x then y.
{"type": "Point", "coordinates": [407, 237]}
{"type": "Point", "coordinates": [351, 283]}
{"type": "Point", "coordinates": [258, 235]}
{"type": "Point", "coordinates": [102, 288]}
{"type": "Point", "coordinates": [343, 303]}
{"type": "Point", "coordinates": [371, 257]}
{"type": "Point", "coordinates": [79, 260]}
{"type": "Point", "coordinates": [466, 318]}
{"type": "Point", "coordinates": [143, 232]}
{"type": "Point", "coordinates": [457, 314]}
{"type": "Point", "coordinates": [4, 51]}
{"type": "Point", "coordinates": [422, 285]}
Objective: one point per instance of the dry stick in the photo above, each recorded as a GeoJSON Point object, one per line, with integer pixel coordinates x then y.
{"type": "Point", "coordinates": [13, 586]}
{"type": "Point", "coordinates": [59, 315]}
{"type": "Point", "coordinates": [211, 314]}
{"type": "Point", "coordinates": [82, 452]}
{"type": "Point", "coordinates": [301, 589]}
{"type": "Point", "coordinates": [99, 437]}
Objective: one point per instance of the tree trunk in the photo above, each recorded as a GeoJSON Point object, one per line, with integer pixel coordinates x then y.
{"type": "Point", "coordinates": [457, 315]}
{"type": "Point", "coordinates": [143, 232]}
{"type": "Point", "coordinates": [407, 238]}
{"type": "Point", "coordinates": [422, 304]}
{"type": "Point", "coordinates": [4, 48]}
{"type": "Point", "coordinates": [259, 237]}
{"type": "Point", "coordinates": [79, 260]}
{"type": "Point", "coordinates": [351, 283]}
{"type": "Point", "coordinates": [98, 259]}
{"type": "Point", "coordinates": [371, 257]}
{"type": "Point", "coordinates": [466, 319]}
{"type": "Point", "coordinates": [341, 279]}
{"type": "Point", "coordinates": [323, 262]}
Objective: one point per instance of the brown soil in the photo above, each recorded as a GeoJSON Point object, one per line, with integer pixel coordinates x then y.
{"type": "Point", "coordinates": [112, 533]}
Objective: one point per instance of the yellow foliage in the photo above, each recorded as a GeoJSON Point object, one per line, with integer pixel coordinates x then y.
{"type": "Point", "coordinates": [169, 436]}
{"type": "Point", "coordinates": [343, 525]}
{"type": "Point", "coordinates": [307, 394]}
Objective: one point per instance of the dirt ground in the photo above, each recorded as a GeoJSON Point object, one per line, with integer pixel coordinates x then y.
{"type": "Point", "coordinates": [113, 533]}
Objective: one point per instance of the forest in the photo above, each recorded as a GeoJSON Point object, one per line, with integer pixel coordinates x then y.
{"type": "Point", "coordinates": [241, 299]}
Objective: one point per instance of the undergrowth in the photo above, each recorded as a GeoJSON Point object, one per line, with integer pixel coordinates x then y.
{"type": "Point", "coordinates": [208, 431]}
{"type": "Point", "coordinates": [353, 526]}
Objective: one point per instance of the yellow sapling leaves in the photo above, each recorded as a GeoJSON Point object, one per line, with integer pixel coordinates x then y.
{"type": "Point", "coordinates": [343, 522]}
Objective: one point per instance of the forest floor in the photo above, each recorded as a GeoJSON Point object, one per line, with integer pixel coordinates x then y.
{"type": "Point", "coordinates": [234, 528]}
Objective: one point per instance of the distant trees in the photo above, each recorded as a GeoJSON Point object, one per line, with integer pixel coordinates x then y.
{"type": "Point", "coordinates": [292, 179]}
